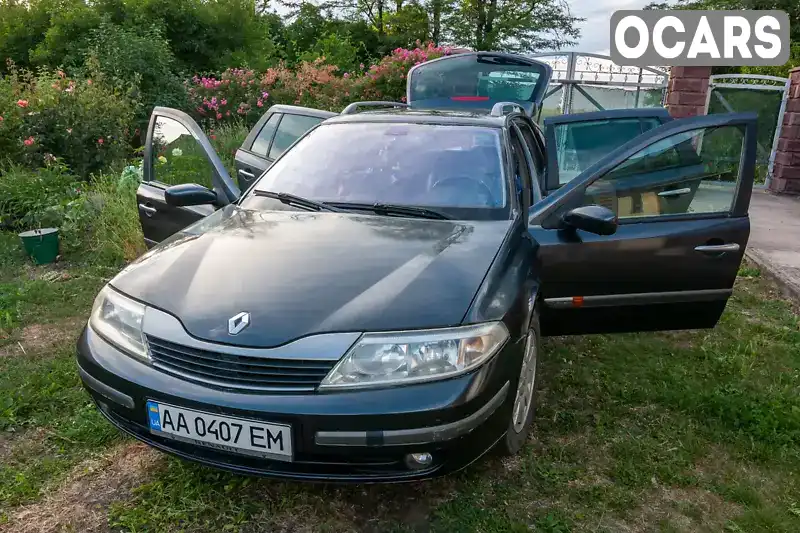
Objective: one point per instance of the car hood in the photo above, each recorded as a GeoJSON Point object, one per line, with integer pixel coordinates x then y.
{"type": "Point", "coordinates": [301, 273]}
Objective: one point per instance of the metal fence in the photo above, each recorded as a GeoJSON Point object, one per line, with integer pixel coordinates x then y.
{"type": "Point", "coordinates": [592, 82]}
{"type": "Point", "coordinates": [766, 95]}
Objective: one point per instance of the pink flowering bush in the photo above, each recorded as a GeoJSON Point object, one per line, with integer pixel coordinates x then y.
{"type": "Point", "coordinates": [49, 117]}
{"type": "Point", "coordinates": [244, 95]}
{"type": "Point", "coordinates": [387, 79]}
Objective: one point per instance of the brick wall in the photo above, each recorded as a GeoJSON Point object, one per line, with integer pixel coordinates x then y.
{"type": "Point", "coordinates": [786, 171]}
{"type": "Point", "coordinates": [686, 92]}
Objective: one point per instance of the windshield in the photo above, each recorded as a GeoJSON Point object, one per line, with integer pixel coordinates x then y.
{"type": "Point", "coordinates": [407, 164]}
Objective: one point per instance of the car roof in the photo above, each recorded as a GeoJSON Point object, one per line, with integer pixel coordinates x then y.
{"type": "Point", "coordinates": [426, 116]}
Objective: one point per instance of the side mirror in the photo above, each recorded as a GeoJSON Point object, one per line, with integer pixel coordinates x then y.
{"type": "Point", "coordinates": [189, 194]}
{"type": "Point", "coordinates": [592, 218]}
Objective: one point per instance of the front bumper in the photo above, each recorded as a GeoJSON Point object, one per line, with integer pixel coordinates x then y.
{"type": "Point", "coordinates": [356, 436]}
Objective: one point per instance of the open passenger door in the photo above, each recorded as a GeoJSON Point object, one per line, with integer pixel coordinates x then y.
{"type": "Point", "coordinates": [178, 153]}
{"type": "Point", "coordinates": [678, 195]}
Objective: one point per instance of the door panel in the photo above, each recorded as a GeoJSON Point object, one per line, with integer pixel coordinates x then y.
{"type": "Point", "coordinates": [576, 141]}
{"type": "Point", "coordinates": [669, 265]}
{"type": "Point", "coordinates": [160, 220]}
{"type": "Point", "coordinates": [177, 152]}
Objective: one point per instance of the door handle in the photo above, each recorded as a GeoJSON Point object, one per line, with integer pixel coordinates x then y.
{"type": "Point", "coordinates": [675, 192]}
{"type": "Point", "coordinates": [148, 210]}
{"type": "Point", "coordinates": [717, 248]}
{"type": "Point", "coordinates": [246, 174]}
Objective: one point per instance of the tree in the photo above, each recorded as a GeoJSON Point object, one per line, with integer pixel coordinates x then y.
{"type": "Point", "coordinates": [512, 25]}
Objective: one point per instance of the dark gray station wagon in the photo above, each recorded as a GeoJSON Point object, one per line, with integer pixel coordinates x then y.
{"type": "Point", "coordinates": [370, 308]}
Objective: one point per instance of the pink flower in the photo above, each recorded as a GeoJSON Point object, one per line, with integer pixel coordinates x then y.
{"type": "Point", "coordinates": [213, 137]}
{"type": "Point", "coordinates": [223, 101]}
{"type": "Point", "coordinates": [244, 84]}
{"type": "Point", "coordinates": [227, 113]}
{"type": "Point", "coordinates": [88, 82]}
{"type": "Point", "coordinates": [219, 116]}
{"type": "Point", "coordinates": [260, 103]}
{"type": "Point", "coordinates": [23, 103]}
{"type": "Point", "coordinates": [346, 75]}
{"type": "Point", "coordinates": [29, 141]}
{"type": "Point", "coordinates": [265, 94]}
{"type": "Point", "coordinates": [1, 118]}
{"type": "Point", "coordinates": [361, 66]}
{"type": "Point", "coordinates": [100, 141]}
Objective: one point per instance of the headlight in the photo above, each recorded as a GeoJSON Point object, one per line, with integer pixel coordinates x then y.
{"type": "Point", "coordinates": [414, 356]}
{"type": "Point", "coordinates": [119, 320]}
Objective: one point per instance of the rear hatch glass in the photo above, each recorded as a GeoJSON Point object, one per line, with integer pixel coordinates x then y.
{"type": "Point", "coordinates": [476, 81]}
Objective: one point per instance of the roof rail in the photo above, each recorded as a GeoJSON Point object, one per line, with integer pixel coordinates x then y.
{"type": "Point", "coordinates": [353, 108]}
{"type": "Point", "coordinates": [499, 109]}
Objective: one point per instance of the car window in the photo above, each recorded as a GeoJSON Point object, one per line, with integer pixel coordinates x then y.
{"type": "Point", "coordinates": [291, 128]}
{"type": "Point", "coordinates": [177, 156]}
{"type": "Point", "coordinates": [581, 144]}
{"type": "Point", "coordinates": [264, 137]}
{"type": "Point", "coordinates": [693, 172]}
{"type": "Point", "coordinates": [408, 164]}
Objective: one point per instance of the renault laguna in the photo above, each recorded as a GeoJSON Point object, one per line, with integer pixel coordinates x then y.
{"type": "Point", "coordinates": [371, 307]}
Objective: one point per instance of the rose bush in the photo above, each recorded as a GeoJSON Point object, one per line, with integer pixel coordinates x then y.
{"type": "Point", "coordinates": [48, 117]}
{"type": "Point", "coordinates": [243, 94]}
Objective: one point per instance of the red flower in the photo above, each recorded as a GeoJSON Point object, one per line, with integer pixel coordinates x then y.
{"type": "Point", "coordinates": [100, 141]}
{"type": "Point", "coordinates": [29, 141]}
{"type": "Point", "coordinates": [213, 137]}
{"type": "Point", "coordinates": [22, 103]}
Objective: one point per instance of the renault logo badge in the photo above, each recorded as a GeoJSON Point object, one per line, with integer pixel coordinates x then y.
{"type": "Point", "coordinates": [238, 322]}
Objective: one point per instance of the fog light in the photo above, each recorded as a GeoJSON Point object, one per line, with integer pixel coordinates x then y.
{"type": "Point", "coordinates": [418, 461]}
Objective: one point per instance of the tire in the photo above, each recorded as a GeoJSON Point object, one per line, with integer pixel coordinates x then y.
{"type": "Point", "coordinates": [518, 430]}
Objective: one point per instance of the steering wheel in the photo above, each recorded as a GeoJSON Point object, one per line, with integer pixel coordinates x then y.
{"type": "Point", "coordinates": [464, 184]}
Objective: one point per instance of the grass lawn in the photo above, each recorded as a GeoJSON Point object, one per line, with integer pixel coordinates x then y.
{"type": "Point", "coordinates": [677, 431]}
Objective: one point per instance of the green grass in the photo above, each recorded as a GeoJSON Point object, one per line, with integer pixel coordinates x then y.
{"type": "Point", "coordinates": [675, 431]}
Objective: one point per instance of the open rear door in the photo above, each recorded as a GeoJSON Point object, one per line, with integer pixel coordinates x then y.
{"type": "Point", "coordinates": [475, 81]}
{"type": "Point", "coordinates": [680, 193]}
{"type": "Point", "coordinates": [576, 141]}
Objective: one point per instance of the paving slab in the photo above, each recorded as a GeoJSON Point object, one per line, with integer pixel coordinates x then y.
{"type": "Point", "coordinates": [775, 238]}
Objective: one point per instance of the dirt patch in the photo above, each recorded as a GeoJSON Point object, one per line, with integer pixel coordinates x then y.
{"type": "Point", "coordinates": [679, 509]}
{"type": "Point", "coordinates": [38, 339]}
{"type": "Point", "coordinates": [80, 502]}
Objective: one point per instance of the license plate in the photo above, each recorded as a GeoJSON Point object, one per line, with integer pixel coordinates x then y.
{"type": "Point", "coordinates": [238, 435]}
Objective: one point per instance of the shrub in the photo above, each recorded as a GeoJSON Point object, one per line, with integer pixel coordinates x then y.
{"type": "Point", "coordinates": [33, 199]}
{"type": "Point", "coordinates": [47, 116]}
{"type": "Point", "coordinates": [139, 64]}
{"type": "Point", "coordinates": [244, 94]}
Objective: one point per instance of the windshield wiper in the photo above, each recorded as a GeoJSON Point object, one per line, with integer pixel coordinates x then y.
{"type": "Point", "coordinates": [291, 199]}
{"type": "Point", "coordinates": [393, 209]}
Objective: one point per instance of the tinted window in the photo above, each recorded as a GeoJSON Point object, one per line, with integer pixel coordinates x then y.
{"type": "Point", "coordinates": [289, 130]}
{"type": "Point", "coordinates": [580, 144]}
{"type": "Point", "coordinates": [691, 172]}
{"type": "Point", "coordinates": [261, 144]}
{"type": "Point", "coordinates": [471, 78]}
{"type": "Point", "coordinates": [409, 164]}
{"type": "Point", "coordinates": [177, 156]}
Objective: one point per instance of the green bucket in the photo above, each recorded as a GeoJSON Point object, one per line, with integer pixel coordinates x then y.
{"type": "Point", "coordinates": [41, 244]}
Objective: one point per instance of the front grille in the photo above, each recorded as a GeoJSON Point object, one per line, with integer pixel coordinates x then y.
{"type": "Point", "coordinates": [238, 371]}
